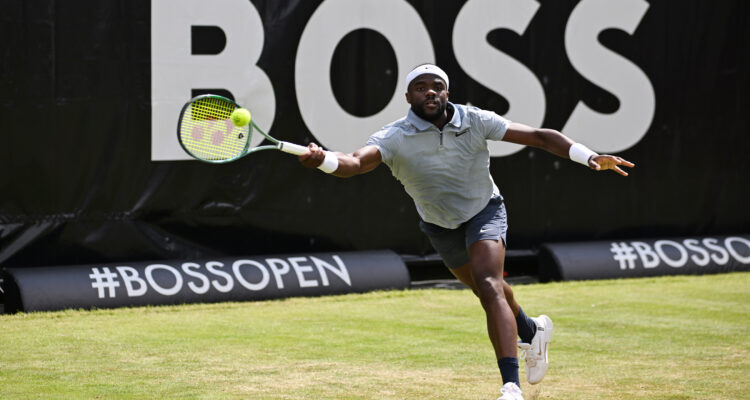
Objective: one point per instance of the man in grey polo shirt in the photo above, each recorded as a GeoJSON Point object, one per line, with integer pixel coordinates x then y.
{"type": "Point", "coordinates": [439, 153]}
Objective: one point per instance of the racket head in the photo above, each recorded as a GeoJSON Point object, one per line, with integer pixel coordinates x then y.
{"type": "Point", "coordinates": [206, 131]}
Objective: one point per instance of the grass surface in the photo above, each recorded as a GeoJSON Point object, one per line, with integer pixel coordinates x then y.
{"type": "Point", "coordinates": [661, 338]}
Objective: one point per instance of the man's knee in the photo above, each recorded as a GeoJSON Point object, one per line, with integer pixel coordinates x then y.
{"type": "Point", "coordinates": [489, 289]}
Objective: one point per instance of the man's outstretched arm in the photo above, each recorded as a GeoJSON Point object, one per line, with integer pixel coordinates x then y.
{"type": "Point", "coordinates": [561, 145]}
{"type": "Point", "coordinates": [359, 162]}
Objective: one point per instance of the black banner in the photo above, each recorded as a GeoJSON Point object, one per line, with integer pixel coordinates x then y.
{"type": "Point", "coordinates": [640, 258]}
{"type": "Point", "coordinates": [90, 170]}
{"type": "Point", "coordinates": [202, 281]}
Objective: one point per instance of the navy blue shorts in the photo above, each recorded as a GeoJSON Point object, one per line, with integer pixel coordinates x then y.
{"type": "Point", "coordinates": [452, 244]}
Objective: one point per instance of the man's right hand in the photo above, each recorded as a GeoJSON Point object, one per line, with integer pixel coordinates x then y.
{"type": "Point", "coordinates": [313, 157]}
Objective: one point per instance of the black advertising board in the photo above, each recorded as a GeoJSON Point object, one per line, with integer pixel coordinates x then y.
{"type": "Point", "coordinates": [90, 171]}
{"type": "Point", "coordinates": [642, 258]}
{"type": "Point", "coordinates": [201, 281]}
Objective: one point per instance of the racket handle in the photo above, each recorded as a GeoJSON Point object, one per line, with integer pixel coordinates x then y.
{"type": "Point", "coordinates": [292, 148]}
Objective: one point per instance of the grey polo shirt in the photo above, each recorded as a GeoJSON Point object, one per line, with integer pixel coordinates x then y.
{"type": "Point", "coordinates": [446, 173]}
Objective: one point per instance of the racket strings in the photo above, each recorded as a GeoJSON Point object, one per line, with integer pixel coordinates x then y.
{"type": "Point", "coordinates": [207, 131]}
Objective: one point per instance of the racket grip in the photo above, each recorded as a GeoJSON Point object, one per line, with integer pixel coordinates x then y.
{"type": "Point", "coordinates": [292, 148]}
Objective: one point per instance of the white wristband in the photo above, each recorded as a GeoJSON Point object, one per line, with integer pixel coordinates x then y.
{"type": "Point", "coordinates": [580, 153]}
{"type": "Point", "coordinates": [330, 163]}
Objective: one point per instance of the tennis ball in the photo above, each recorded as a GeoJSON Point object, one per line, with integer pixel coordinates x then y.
{"type": "Point", "coordinates": [240, 117]}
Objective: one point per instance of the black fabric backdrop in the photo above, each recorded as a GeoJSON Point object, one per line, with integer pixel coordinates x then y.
{"type": "Point", "coordinates": [77, 184]}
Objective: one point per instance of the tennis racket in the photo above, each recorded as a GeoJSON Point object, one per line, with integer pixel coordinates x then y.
{"type": "Point", "coordinates": [206, 132]}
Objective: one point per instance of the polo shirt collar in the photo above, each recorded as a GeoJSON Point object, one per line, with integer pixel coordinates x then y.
{"type": "Point", "coordinates": [423, 125]}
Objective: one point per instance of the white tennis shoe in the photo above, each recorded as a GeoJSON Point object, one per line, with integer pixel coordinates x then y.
{"type": "Point", "coordinates": [510, 391]}
{"type": "Point", "coordinates": [535, 353]}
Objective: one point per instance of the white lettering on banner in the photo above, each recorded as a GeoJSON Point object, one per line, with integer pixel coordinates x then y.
{"type": "Point", "coordinates": [624, 255]}
{"type": "Point", "coordinates": [481, 61]}
{"type": "Point", "coordinates": [609, 70]}
{"type": "Point", "coordinates": [722, 257]}
{"type": "Point", "coordinates": [341, 271]}
{"type": "Point", "coordinates": [274, 263]}
{"type": "Point", "coordinates": [648, 257]}
{"type": "Point", "coordinates": [130, 276]}
{"type": "Point", "coordinates": [694, 245]}
{"type": "Point", "coordinates": [677, 254]}
{"type": "Point", "coordinates": [106, 281]}
{"type": "Point", "coordinates": [265, 276]}
{"type": "Point", "coordinates": [729, 244]}
{"type": "Point", "coordinates": [398, 22]}
{"type": "Point", "coordinates": [659, 245]}
{"type": "Point", "coordinates": [160, 289]}
{"type": "Point", "coordinates": [175, 71]}
{"type": "Point", "coordinates": [300, 270]}
{"type": "Point", "coordinates": [191, 269]}
{"type": "Point", "coordinates": [213, 267]}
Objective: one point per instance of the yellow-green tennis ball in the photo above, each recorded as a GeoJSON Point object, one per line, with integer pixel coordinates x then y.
{"type": "Point", "coordinates": [240, 117]}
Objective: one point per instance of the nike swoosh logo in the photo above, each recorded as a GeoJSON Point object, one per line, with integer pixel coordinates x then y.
{"type": "Point", "coordinates": [483, 230]}
{"type": "Point", "coordinates": [462, 132]}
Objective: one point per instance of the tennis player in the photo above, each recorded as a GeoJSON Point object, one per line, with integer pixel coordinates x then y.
{"type": "Point", "coordinates": [439, 153]}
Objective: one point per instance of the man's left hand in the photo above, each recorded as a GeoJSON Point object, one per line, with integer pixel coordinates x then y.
{"type": "Point", "coordinates": [605, 161]}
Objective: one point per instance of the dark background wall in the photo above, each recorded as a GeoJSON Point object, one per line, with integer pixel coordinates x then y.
{"type": "Point", "coordinates": [78, 184]}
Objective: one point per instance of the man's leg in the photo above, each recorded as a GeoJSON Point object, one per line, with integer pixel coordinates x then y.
{"type": "Point", "coordinates": [486, 258]}
{"type": "Point", "coordinates": [536, 362]}
{"type": "Point", "coordinates": [463, 274]}
{"type": "Point", "coordinates": [525, 325]}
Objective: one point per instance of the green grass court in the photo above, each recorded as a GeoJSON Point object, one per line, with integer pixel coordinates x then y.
{"type": "Point", "coordinates": [662, 338]}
